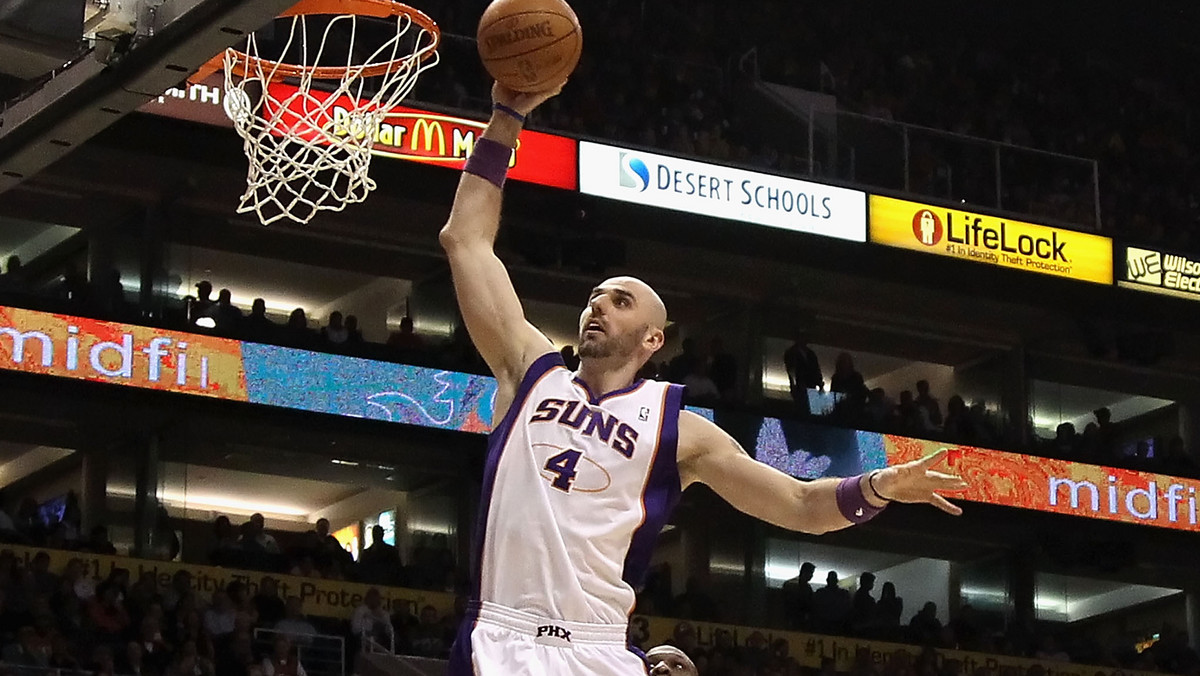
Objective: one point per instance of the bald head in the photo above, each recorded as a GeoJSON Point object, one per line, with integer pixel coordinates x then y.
{"type": "Point", "coordinates": [647, 298]}
{"type": "Point", "coordinates": [623, 321]}
{"type": "Point", "coordinates": [667, 659]}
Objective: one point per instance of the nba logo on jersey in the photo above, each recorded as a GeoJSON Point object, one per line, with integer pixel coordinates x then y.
{"type": "Point", "coordinates": [644, 414]}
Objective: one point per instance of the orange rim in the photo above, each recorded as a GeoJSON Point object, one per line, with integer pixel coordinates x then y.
{"type": "Point", "coordinates": [380, 9]}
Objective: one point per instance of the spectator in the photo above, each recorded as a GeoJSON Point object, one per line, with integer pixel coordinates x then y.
{"type": "Point", "coordinates": [862, 615]}
{"type": "Point", "coordinates": [699, 388]}
{"type": "Point", "coordinates": [98, 542]}
{"type": "Point", "coordinates": [102, 663]}
{"type": "Point", "coordinates": [1049, 650]}
{"type": "Point", "coordinates": [831, 607]}
{"type": "Point", "coordinates": [328, 549]}
{"type": "Point", "coordinates": [849, 383]}
{"type": "Point", "coordinates": [1065, 441]}
{"type": "Point", "coordinates": [220, 617]}
{"type": "Point", "coordinates": [256, 327]}
{"type": "Point", "coordinates": [370, 620]}
{"type": "Point", "coordinates": [803, 370]}
{"type": "Point", "coordinates": [684, 364]}
{"type": "Point", "coordinates": [12, 280]}
{"type": "Point", "coordinates": [30, 650]}
{"type": "Point", "coordinates": [296, 332]}
{"type": "Point", "coordinates": [429, 638]}
{"type": "Point", "coordinates": [180, 588]}
{"type": "Point", "coordinates": [1108, 432]}
{"type": "Point", "coordinates": [925, 628]}
{"type": "Point", "coordinates": [282, 661]}
{"type": "Point", "coordinates": [226, 540]}
{"type": "Point", "coordinates": [294, 624]}
{"type": "Point", "coordinates": [267, 604]}
{"type": "Point", "coordinates": [926, 401]}
{"type": "Point", "coordinates": [798, 596]}
{"type": "Point", "coordinates": [723, 370]}
{"type": "Point", "coordinates": [164, 541]}
{"type": "Point", "coordinates": [203, 301]}
{"type": "Point", "coordinates": [335, 334]}
{"type": "Point", "coordinates": [354, 336]}
{"type": "Point", "coordinates": [107, 613]}
{"type": "Point", "coordinates": [379, 563]}
{"type": "Point", "coordinates": [406, 341]}
{"type": "Point", "coordinates": [888, 611]}
{"type": "Point", "coordinates": [259, 539]}
{"type": "Point", "coordinates": [958, 425]}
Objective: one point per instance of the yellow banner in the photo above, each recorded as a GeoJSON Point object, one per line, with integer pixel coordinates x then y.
{"type": "Point", "coordinates": [991, 240]}
{"type": "Point", "coordinates": [810, 649]}
{"type": "Point", "coordinates": [323, 598]}
{"type": "Point", "coordinates": [338, 599]}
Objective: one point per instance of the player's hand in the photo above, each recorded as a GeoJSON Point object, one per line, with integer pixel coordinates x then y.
{"type": "Point", "coordinates": [523, 102]}
{"type": "Point", "coordinates": [916, 481]}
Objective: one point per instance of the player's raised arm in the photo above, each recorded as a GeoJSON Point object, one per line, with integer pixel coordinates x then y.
{"type": "Point", "coordinates": [486, 298]}
{"type": "Point", "coordinates": [710, 456]}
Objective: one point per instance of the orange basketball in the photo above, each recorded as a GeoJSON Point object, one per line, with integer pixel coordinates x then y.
{"type": "Point", "coordinates": [530, 45]}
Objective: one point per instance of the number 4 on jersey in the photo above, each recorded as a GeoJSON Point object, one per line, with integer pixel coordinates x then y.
{"type": "Point", "coordinates": [563, 466]}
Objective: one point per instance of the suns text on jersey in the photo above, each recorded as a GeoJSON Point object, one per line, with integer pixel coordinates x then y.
{"type": "Point", "coordinates": [591, 422]}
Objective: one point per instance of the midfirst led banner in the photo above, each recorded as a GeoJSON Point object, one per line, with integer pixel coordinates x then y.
{"type": "Point", "coordinates": [171, 361]}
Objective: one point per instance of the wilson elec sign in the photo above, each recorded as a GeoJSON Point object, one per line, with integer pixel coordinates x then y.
{"type": "Point", "coordinates": [723, 192]}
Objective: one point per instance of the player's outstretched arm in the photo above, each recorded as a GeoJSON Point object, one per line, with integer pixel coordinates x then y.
{"type": "Point", "coordinates": [486, 298]}
{"type": "Point", "coordinates": [710, 456]}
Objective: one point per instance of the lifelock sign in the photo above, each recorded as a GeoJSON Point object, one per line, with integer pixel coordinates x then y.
{"type": "Point", "coordinates": [722, 192]}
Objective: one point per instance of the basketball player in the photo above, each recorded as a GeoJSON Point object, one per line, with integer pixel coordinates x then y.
{"type": "Point", "coordinates": [667, 660]}
{"type": "Point", "coordinates": [583, 468]}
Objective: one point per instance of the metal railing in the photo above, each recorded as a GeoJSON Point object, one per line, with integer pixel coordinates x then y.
{"type": "Point", "coordinates": [881, 154]}
{"type": "Point", "coordinates": [321, 654]}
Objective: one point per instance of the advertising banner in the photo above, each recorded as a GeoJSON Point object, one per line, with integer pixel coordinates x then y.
{"type": "Point", "coordinates": [810, 649]}
{"type": "Point", "coordinates": [1159, 271]}
{"type": "Point", "coordinates": [810, 451]}
{"type": "Point", "coordinates": [323, 598]}
{"type": "Point", "coordinates": [85, 349]}
{"type": "Point", "coordinates": [409, 134]}
{"type": "Point", "coordinates": [338, 599]}
{"type": "Point", "coordinates": [722, 192]}
{"type": "Point", "coordinates": [991, 240]}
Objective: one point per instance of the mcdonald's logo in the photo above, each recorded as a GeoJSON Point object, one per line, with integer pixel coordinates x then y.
{"type": "Point", "coordinates": [427, 129]}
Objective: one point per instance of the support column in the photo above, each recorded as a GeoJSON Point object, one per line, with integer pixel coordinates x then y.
{"type": "Point", "coordinates": [146, 495]}
{"type": "Point", "coordinates": [1192, 600]}
{"type": "Point", "coordinates": [93, 498]}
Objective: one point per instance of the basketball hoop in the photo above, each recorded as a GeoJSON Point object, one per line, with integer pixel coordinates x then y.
{"type": "Point", "coordinates": [310, 149]}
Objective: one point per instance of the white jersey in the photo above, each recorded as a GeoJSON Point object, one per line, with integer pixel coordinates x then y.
{"type": "Point", "coordinates": [576, 489]}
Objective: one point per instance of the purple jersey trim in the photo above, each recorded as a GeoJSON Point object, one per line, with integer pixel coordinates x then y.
{"type": "Point", "coordinates": [461, 663]}
{"type": "Point", "coordinates": [661, 493]}
{"type": "Point", "coordinates": [596, 401]}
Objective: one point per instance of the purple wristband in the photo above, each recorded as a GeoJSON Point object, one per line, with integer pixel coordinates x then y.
{"type": "Point", "coordinates": [852, 504]}
{"type": "Point", "coordinates": [489, 161]}
{"type": "Point", "coordinates": [511, 112]}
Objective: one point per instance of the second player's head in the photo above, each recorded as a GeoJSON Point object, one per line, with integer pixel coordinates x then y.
{"type": "Point", "coordinates": [667, 660]}
{"type": "Point", "coordinates": [622, 322]}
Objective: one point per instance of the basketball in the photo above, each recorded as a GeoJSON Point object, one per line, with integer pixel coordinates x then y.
{"type": "Point", "coordinates": [530, 45]}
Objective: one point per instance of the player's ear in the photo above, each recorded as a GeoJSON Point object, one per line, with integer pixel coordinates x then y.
{"type": "Point", "coordinates": [655, 339]}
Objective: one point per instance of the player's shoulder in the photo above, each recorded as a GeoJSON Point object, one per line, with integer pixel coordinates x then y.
{"type": "Point", "coordinates": [697, 432]}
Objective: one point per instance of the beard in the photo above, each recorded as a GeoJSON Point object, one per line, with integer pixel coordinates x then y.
{"type": "Point", "coordinates": [605, 346]}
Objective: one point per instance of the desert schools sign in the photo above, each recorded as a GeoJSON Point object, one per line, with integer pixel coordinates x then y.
{"type": "Point", "coordinates": [991, 240]}
{"type": "Point", "coordinates": [408, 134]}
{"type": "Point", "coordinates": [1161, 272]}
{"type": "Point", "coordinates": [722, 192]}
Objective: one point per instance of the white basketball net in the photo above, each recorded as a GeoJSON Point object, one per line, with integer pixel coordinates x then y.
{"type": "Point", "coordinates": [310, 151]}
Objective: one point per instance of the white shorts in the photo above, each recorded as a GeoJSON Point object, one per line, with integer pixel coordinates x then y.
{"type": "Point", "coordinates": [499, 641]}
